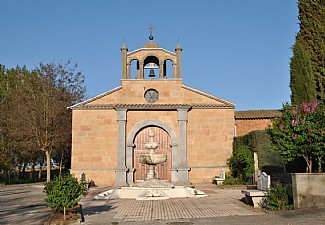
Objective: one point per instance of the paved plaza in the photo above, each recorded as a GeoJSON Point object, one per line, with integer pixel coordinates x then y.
{"type": "Point", "coordinates": [23, 204]}
{"type": "Point", "coordinates": [222, 206]}
{"type": "Point", "coordinates": [20, 204]}
{"type": "Point", "coordinates": [219, 203]}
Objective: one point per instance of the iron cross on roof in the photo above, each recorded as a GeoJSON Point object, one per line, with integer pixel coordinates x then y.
{"type": "Point", "coordinates": [151, 28]}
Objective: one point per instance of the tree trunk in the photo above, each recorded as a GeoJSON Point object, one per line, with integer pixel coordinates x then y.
{"type": "Point", "coordinates": [319, 161]}
{"type": "Point", "coordinates": [40, 170]}
{"type": "Point", "coordinates": [9, 176]}
{"type": "Point", "coordinates": [309, 163]}
{"type": "Point", "coordinates": [48, 168]}
{"type": "Point", "coordinates": [64, 213]}
{"type": "Point", "coordinates": [23, 171]}
{"type": "Point", "coordinates": [5, 175]}
{"type": "Point", "coordinates": [61, 161]}
{"type": "Point", "coordinates": [18, 172]}
{"type": "Point", "coordinates": [32, 171]}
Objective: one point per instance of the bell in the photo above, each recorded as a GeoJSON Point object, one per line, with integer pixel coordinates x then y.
{"type": "Point", "coordinates": [152, 73]}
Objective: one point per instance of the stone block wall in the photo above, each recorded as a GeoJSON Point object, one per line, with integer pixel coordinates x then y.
{"type": "Point", "coordinates": [308, 190]}
{"type": "Point", "coordinates": [244, 126]}
{"type": "Point", "coordinates": [94, 145]}
{"type": "Point", "coordinates": [210, 137]}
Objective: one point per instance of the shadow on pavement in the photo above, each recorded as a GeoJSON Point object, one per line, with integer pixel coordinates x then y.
{"type": "Point", "coordinates": [302, 213]}
{"type": "Point", "coordinates": [12, 192]}
{"type": "Point", "coordinates": [91, 210]}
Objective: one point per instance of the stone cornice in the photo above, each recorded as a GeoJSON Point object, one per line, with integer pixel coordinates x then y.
{"type": "Point", "coordinates": [152, 49]}
{"type": "Point", "coordinates": [154, 106]}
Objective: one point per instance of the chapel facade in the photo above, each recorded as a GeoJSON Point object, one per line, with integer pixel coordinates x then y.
{"type": "Point", "coordinates": [195, 129]}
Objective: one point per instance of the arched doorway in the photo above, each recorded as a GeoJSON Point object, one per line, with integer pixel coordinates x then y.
{"type": "Point", "coordinates": [162, 137]}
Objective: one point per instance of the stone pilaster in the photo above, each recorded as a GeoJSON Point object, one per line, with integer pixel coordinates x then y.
{"type": "Point", "coordinates": [121, 169]}
{"type": "Point", "coordinates": [140, 70]}
{"type": "Point", "coordinates": [174, 70]}
{"type": "Point", "coordinates": [161, 70]}
{"type": "Point", "coordinates": [182, 168]}
{"type": "Point", "coordinates": [128, 70]}
{"type": "Point", "coordinates": [129, 164]}
{"type": "Point", "coordinates": [174, 174]}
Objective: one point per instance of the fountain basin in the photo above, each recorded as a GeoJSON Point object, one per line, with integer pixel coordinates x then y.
{"type": "Point", "coordinates": [151, 145]}
{"type": "Point", "coordinates": [140, 193]}
{"type": "Point", "coordinates": [152, 159]}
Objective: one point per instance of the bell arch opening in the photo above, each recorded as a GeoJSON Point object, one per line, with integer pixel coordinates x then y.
{"type": "Point", "coordinates": [151, 67]}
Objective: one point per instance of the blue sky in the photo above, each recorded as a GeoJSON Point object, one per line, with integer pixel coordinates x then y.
{"type": "Point", "coordinates": [234, 49]}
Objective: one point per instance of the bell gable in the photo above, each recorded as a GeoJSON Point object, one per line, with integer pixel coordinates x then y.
{"type": "Point", "coordinates": [161, 92]}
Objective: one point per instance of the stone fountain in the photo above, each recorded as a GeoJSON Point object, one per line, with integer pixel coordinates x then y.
{"type": "Point", "coordinates": [152, 188]}
{"type": "Point", "coordinates": [152, 159]}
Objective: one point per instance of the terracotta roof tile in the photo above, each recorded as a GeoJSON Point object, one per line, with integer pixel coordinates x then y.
{"type": "Point", "coordinates": [257, 114]}
{"type": "Point", "coordinates": [151, 106]}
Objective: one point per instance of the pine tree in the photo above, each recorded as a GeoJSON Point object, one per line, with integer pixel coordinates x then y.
{"type": "Point", "coordinates": [312, 37]}
{"type": "Point", "coordinates": [302, 81]}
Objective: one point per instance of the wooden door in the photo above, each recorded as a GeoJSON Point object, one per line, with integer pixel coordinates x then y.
{"type": "Point", "coordinates": [162, 137]}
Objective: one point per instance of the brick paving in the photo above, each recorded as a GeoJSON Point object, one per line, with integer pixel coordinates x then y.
{"type": "Point", "coordinates": [20, 204]}
{"type": "Point", "coordinates": [219, 203]}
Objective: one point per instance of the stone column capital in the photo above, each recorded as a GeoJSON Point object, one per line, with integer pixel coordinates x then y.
{"type": "Point", "coordinates": [121, 113]}
{"type": "Point", "coordinates": [182, 113]}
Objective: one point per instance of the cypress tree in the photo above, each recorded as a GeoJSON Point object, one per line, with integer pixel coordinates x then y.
{"type": "Point", "coordinates": [302, 81]}
{"type": "Point", "coordinates": [312, 37]}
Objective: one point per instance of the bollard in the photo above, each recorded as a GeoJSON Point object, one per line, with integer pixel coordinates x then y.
{"type": "Point", "coordinates": [83, 176]}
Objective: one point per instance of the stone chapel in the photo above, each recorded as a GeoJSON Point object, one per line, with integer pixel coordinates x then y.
{"type": "Point", "coordinates": [195, 129]}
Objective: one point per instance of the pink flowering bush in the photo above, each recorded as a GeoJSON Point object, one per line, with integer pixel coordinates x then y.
{"type": "Point", "coordinates": [300, 132]}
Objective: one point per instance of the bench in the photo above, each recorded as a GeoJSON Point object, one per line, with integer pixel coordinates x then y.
{"type": "Point", "coordinates": [219, 180]}
{"type": "Point", "coordinates": [254, 197]}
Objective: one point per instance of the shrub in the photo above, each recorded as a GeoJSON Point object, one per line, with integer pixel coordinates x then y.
{"type": "Point", "coordinates": [64, 191]}
{"type": "Point", "coordinates": [241, 164]}
{"type": "Point", "coordinates": [277, 198]}
{"type": "Point", "coordinates": [230, 180]}
{"type": "Point", "coordinates": [269, 160]}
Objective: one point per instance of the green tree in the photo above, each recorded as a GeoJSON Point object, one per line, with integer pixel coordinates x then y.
{"type": "Point", "coordinates": [16, 149]}
{"type": "Point", "coordinates": [302, 81]}
{"type": "Point", "coordinates": [34, 114]}
{"type": "Point", "coordinates": [312, 37]}
{"type": "Point", "coordinates": [300, 133]}
{"type": "Point", "coordinates": [49, 91]}
{"type": "Point", "coordinates": [64, 192]}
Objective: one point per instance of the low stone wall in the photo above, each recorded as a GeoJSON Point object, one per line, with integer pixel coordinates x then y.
{"type": "Point", "coordinates": [308, 190]}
